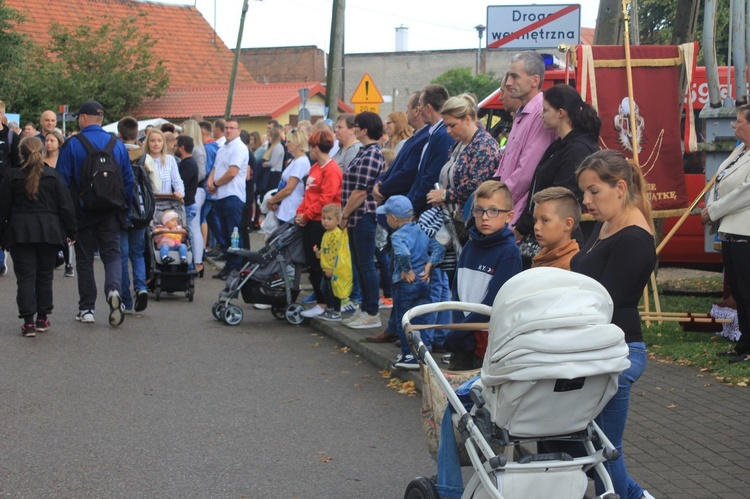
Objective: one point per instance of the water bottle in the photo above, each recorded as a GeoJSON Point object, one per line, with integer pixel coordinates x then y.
{"type": "Point", "coordinates": [235, 238]}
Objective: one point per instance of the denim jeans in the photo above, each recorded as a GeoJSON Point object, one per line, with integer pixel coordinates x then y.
{"type": "Point", "coordinates": [384, 268]}
{"type": "Point", "coordinates": [439, 291]}
{"type": "Point", "coordinates": [132, 246]}
{"type": "Point", "coordinates": [194, 224]}
{"type": "Point", "coordinates": [214, 223]}
{"type": "Point", "coordinates": [612, 422]}
{"type": "Point", "coordinates": [2, 258]}
{"type": "Point", "coordinates": [181, 248]}
{"type": "Point", "coordinates": [229, 210]}
{"type": "Point", "coordinates": [405, 296]}
{"type": "Point", "coordinates": [363, 239]}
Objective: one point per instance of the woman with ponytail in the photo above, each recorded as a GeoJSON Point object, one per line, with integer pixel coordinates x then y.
{"type": "Point", "coordinates": [620, 254]}
{"type": "Point", "coordinates": [36, 217]}
{"type": "Point", "coordinates": [577, 126]}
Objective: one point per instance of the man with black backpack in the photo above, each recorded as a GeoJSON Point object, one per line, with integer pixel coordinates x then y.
{"type": "Point", "coordinates": [133, 238]}
{"type": "Point", "coordinates": [96, 168]}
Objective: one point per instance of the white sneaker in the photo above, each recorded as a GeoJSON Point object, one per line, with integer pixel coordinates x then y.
{"type": "Point", "coordinates": [365, 321]}
{"type": "Point", "coordinates": [356, 315]}
{"type": "Point", "coordinates": [116, 308]}
{"type": "Point", "coordinates": [85, 316]}
{"type": "Point", "coordinates": [313, 312]}
{"type": "Point", "coordinates": [646, 495]}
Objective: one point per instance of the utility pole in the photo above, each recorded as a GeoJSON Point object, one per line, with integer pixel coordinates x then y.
{"type": "Point", "coordinates": [609, 27]}
{"type": "Point", "coordinates": [233, 78]}
{"type": "Point", "coordinates": [335, 74]}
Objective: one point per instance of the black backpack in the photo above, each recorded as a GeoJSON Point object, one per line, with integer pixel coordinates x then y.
{"type": "Point", "coordinates": [100, 186]}
{"type": "Point", "coordinates": [144, 203]}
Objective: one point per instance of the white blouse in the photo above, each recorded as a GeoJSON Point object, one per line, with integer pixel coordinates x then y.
{"type": "Point", "coordinates": [169, 174]}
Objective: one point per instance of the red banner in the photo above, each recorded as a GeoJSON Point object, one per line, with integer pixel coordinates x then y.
{"type": "Point", "coordinates": [655, 71]}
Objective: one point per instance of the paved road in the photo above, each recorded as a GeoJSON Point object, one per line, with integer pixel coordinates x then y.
{"type": "Point", "coordinates": [176, 404]}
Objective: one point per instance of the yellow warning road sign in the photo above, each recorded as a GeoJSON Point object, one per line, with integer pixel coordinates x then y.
{"type": "Point", "coordinates": [367, 92]}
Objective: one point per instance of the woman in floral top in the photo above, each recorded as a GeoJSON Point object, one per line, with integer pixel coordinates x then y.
{"type": "Point", "coordinates": [473, 159]}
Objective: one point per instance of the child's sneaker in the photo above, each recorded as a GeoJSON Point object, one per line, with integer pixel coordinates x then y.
{"type": "Point", "coordinates": [167, 260]}
{"type": "Point", "coordinates": [365, 321]}
{"type": "Point", "coordinates": [408, 362]}
{"type": "Point", "coordinates": [116, 308]}
{"type": "Point", "coordinates": [310, 299]}
{"type": "Point", "coordinates": [28, 330]}
{"type": "Point", "coordinates": [348, 306]}
{"type": "Point", "coordinates": [385, 303]}
{"type": "Point", "coordinates": [183, 260]}
{"type": "Point", "coordinates": [330, 315]}
{"type": "Point", "coordinates": [42, 325]}
{"type": "Point", "coordinates": [85, 316]}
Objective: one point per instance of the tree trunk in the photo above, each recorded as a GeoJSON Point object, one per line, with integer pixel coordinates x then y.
{"type": "Point", "coordinates": [686, 22]}
{"type": "Point", "coordinates": [609, 28]}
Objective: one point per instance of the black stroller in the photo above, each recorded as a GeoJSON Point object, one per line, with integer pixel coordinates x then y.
{"type": "Point", "coordinates": [271, 276]}
{"type": "Point", "coordinates": [173, 277]}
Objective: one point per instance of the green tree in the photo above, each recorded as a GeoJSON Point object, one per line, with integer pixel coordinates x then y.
{"type": "Point", "coordinates": [461, 80]}
{"type": "Point", "coordinates": [12, 47]}
{"type": "Point", "coordinates": [656, 18]}
{"type": "Point", "coordinates": [112, 64]}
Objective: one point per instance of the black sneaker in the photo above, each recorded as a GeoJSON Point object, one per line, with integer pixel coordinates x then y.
{"type": "Point", "coordinates": [141, 301]}
{"type": "Point", "coordinates": [116, 308]}
{"type": "Point", "coordinates": [28, 330]}
{"type": "Point", "coordinates": [42, 325]}
{"type": "Point", "coordinates": [167, 260]}
{"type": "Point", "coordinates": [69, 271]}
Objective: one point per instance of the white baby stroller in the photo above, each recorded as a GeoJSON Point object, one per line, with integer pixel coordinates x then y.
{"type": "Point", "coordinates": [551, 365]}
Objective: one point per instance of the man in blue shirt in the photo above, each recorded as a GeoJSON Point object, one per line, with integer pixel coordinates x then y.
{"type": "Point", "coordinates": [97, 230]}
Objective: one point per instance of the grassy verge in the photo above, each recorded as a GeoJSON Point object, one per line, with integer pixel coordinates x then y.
{"type": "Point", "coordinates": [668, 342]}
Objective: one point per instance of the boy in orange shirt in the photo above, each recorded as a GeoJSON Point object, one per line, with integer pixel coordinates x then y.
{"type": "Point", "coordinates": [556, 215]}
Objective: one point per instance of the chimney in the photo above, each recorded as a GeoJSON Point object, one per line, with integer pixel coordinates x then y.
{"type": "Point", "coordinates": [402, 39]}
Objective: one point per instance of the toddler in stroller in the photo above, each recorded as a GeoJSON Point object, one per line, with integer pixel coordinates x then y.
{"type": "Point", "coordinates": [171, 254]}
{"type": "Point", "coordinates": [551, 365]}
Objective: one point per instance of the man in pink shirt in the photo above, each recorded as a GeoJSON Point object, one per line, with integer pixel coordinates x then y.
{"type": "Point", "coordinates": [528, 139]}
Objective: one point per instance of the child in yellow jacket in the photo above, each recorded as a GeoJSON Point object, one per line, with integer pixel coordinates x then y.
{"type": "Point", "coordinates": [335, 261]}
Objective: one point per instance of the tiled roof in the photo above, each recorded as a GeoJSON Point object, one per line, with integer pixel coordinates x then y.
{"type": "Point", "coordinates": [587, 36]}
{"type": "Point", "coordinates": [193, 54]}
{"type": "Point", "coordinates": [253, 100]}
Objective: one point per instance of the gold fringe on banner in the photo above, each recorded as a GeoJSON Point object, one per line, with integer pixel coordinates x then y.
{"type": "Point", "coordinates": [639, 63]}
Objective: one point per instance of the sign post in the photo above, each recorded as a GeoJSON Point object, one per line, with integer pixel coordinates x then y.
{"type": "Point", "coordinates": [367, 97]}
{"type": "Point", "coordinates": [531, 27]}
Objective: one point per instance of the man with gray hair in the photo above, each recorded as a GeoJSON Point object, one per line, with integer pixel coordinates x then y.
{"type": "Point", "coordinates": [528, 138]}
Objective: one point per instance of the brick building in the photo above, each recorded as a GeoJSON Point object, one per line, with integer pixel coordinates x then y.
{"type": "Point", "coordinates": [285, 64]}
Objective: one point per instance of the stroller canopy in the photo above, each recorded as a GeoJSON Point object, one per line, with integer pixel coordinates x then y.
{"type": "Point", "coordinates": [549, 323]}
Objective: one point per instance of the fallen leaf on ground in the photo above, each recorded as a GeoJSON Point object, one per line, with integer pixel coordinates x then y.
{"type": "Point", "coordinates": [672, 406]}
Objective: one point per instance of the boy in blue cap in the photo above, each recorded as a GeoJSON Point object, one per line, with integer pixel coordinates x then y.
{"type": "Point", "coordinates": [414, 254]}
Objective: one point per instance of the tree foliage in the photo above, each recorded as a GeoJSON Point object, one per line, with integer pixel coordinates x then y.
{"type": "Point", "coordinates": [112, 63]}
{"type": "Point", "coordinates": [656, 19]}
{"type": "Point", "coordinates": [12, 46]}
{"type": "Point", "coordinates": [462, 80]}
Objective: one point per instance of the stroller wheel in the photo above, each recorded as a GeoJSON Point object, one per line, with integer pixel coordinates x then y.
{"type": "Point", "coordinates": [157, 292]}
{"type": "Point", "coordinates": [233, 315]}
{"type": "Point", "coordinates": [190, 292]}
{"type": "Point", "coordinates": [421, 488]}
{"type": "Point", "coordinates": [293, 314]}
{"type": "Point", "coordinates": [279, 313]}
{"type": "Point", "coordinates": [218, 310]}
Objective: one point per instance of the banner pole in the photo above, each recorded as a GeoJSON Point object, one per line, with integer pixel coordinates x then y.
{"type": "Point", "coordinates": [629, 73]}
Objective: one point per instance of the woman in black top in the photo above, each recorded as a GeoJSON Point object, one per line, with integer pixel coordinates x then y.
{"type": "Point", "coordinates": [36, 216]}
{"type": "Point", "coordinates": [620, 254]}
{"type": "Point", "coordinates": [577, 125]}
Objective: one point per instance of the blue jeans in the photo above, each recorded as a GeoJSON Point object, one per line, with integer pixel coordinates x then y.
{"type": "Point", "coordinates": [132, 246]}
{"type": "Point", "coordinates": [229, 210]}
{"type": "Point", "coordinates": [181, 248]}
{"type": "Point", "coordinates": [363, 238]}
{"type": "Point", "coordinates": [210, 213]}
{"type": "Point", "coordinates": [384, 267]}
{"type": "Point", "coordinates": [439, 291]}
{"type": "Point", "coordinates": [612, 422]}
{"type": "Point", "coordinates": [405, 296]}
{"type": "Point", "coordinates": [2, 258]}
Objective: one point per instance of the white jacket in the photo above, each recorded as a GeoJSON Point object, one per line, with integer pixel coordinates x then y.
{"type": "Point", "coordinates": [732, 208]}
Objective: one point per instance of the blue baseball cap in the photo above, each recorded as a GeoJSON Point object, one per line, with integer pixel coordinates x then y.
{"type": "Point", "coordinates": [398, 206]}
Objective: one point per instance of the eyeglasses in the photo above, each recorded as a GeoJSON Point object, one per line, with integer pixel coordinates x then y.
{"type": "Point", "coordinates": [490, 212]}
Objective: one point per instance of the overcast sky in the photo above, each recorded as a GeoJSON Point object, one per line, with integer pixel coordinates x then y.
{"type": "Point", "coordinates": [370, 24]}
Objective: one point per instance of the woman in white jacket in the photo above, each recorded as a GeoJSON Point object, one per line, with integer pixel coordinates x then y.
{"type": "Point", "coordinates": [728, 212]}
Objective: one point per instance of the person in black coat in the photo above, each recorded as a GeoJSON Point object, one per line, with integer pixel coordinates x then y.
{"type": "Point", "coordinates": [577, 125]}
{"type": "Point", "coordinates": [36, 218]}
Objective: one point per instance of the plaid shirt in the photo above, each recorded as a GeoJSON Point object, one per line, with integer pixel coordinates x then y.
{"type": "Point", "coordinates": [360, 175]}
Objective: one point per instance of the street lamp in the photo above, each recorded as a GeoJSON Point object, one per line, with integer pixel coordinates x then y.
{"type": "Point", "coordinates": [480, 31]}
